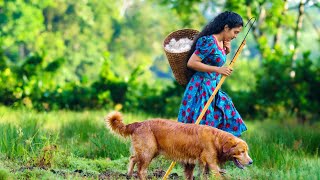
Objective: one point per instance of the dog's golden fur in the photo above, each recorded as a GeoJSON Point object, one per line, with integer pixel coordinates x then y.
{"type": "Point", "coordinates": [185, 143]}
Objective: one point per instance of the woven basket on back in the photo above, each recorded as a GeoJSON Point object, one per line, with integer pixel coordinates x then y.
{"type": "Point", "coordinates": [178, 61]}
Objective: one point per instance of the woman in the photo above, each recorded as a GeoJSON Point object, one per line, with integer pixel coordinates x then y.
{"type": "Point", "coordinates": [208, 55]}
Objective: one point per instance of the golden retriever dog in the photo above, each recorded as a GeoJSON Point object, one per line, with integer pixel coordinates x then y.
{"type": "Point", "coordinates": [185, 143]}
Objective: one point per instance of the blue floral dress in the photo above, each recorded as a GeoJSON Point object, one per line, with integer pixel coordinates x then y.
{"type": "Point", "coordinates": [221, 113]}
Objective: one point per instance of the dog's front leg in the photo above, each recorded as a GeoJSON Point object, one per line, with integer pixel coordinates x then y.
{"type": "Point", "coordinates": [209, 161]}
{"type": "Point", "coordinates": [216, 170]}
{"type": "Point", "coordinates": [205, 171]}
{"type": "Point", "coordinates": [188, 171]}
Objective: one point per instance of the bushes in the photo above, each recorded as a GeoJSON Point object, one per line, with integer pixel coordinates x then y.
{"type": "Point", "coordinates": [275, 87]}
{"type": "Point", "coordinates": [156, 100]}
{"type": "Point", "coordinates": [293, 88]}
{"type": "Point", "coordinates": [34, 84]}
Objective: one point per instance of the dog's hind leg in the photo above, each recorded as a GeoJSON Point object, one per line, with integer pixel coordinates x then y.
{"type": "Point", "coordinates": [143, 159]}
{"type": "Point", "coordinates": [188, 170]}
{"type": "Point", "coordinates": [142, 169]}
{"type": "Point", "coordinates": [145, 148]}
{"type": "Point", "coordinates": [132, 162]}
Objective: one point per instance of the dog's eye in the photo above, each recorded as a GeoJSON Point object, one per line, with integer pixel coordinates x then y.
{"type": "Point", "coordinates": [242, 151]}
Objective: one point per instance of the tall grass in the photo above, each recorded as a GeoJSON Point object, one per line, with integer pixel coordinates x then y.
{"type": "Point", "coordinates": [90, 139]}
{"type": "Point", "coordinates": [83, 134]}
{"type": "Point", "coordinates": [4, 174]}
{"type": "Point", "coordinates": [279, 151]}
{"type": "Point", "coordinates": [271, 143]}
{"type": "Point", "coordinates": [24, 141]}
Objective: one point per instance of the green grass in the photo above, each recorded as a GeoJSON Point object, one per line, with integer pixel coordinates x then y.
{"type": "Point", "coordinates": [4, 174]}
{"type": "Point", "coordinates": [76, 145]}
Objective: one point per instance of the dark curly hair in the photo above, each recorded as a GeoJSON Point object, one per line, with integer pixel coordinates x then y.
{"type": "Point", "coordinates": [216, 26]}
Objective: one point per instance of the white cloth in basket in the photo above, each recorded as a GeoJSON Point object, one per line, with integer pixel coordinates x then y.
{"type": "Point", "coordinates": [180, 46]}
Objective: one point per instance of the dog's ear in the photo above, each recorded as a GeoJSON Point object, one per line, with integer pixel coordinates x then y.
{"type": "Point", "coordinates": [230, 143]}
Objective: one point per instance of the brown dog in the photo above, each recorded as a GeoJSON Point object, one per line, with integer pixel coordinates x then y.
{"type": "Point", "coordinates": [185, 143]}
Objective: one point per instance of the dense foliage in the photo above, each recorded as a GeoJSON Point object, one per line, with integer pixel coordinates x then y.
{"type": "Point", "coordinates": [102, 54]}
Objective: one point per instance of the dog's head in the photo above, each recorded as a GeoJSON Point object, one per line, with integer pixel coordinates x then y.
{"type": "Point", "coordinates": [237, 150]}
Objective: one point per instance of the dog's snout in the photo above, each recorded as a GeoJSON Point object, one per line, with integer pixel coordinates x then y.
{"type": "Point", "coordinates": [250, 162]}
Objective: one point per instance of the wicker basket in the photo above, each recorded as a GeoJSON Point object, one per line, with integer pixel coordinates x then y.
{"type": "Point", "coordinates": [178, 61]}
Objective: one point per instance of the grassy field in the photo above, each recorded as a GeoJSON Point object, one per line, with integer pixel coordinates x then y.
{"type": "Point", "coordinates": [76, 145]}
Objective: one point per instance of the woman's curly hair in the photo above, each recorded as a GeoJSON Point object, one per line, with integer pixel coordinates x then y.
{"type": "Point", "coordinates": [216, 26]}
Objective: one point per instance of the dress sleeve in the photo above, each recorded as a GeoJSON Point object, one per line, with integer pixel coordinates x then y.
{"type": "Point", "coordinates": [204, 47]}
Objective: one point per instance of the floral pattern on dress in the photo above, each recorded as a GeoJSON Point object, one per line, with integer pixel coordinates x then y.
{"type": "Point", "coordinates": [221, 113]}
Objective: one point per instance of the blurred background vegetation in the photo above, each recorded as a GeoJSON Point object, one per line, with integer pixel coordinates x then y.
{"type": "Point", "coordinates": [103, 54]}
{"type": "Point", "coordinates": [63, 63]}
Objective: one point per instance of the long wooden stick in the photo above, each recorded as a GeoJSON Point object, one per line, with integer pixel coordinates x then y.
{"type": "Point", "coordinates": [165, 177]}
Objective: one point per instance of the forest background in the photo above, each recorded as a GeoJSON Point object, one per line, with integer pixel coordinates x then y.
{"type": "Point", "coordinates": [99, 54]}
{"type": "Point", "coordinates": [78, 59]}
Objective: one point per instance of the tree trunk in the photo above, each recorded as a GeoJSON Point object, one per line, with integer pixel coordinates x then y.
{"type": "Point", "coordinates": [277, 36]}
{"type": "Point", "coordinates": [297, 31]}
{"type": "Point", "coordinates": [22, 51]}
{"type": "Point", "coordinates": [302, 119]}
{"type": "Point", "coordinates": [255, 29]}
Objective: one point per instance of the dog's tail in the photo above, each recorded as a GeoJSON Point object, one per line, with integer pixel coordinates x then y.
{"type": "Point", "coordinates": [114, 123]}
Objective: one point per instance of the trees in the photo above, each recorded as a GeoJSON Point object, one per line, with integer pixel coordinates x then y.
{"type": "Point", "coordinates": [79, 54]}
{"type": "Point", "coordinates": [286, 75]}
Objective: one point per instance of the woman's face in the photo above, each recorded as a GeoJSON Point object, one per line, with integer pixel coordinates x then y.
{"type": "Point", "coordinates": [232, 33]}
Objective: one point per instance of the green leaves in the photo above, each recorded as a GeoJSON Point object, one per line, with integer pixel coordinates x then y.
{"type": "Point", "coordinates": [293, 88]}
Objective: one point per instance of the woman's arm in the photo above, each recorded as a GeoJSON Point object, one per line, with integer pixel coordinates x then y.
{"type": "Point", "coordinates": [196, 64]}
